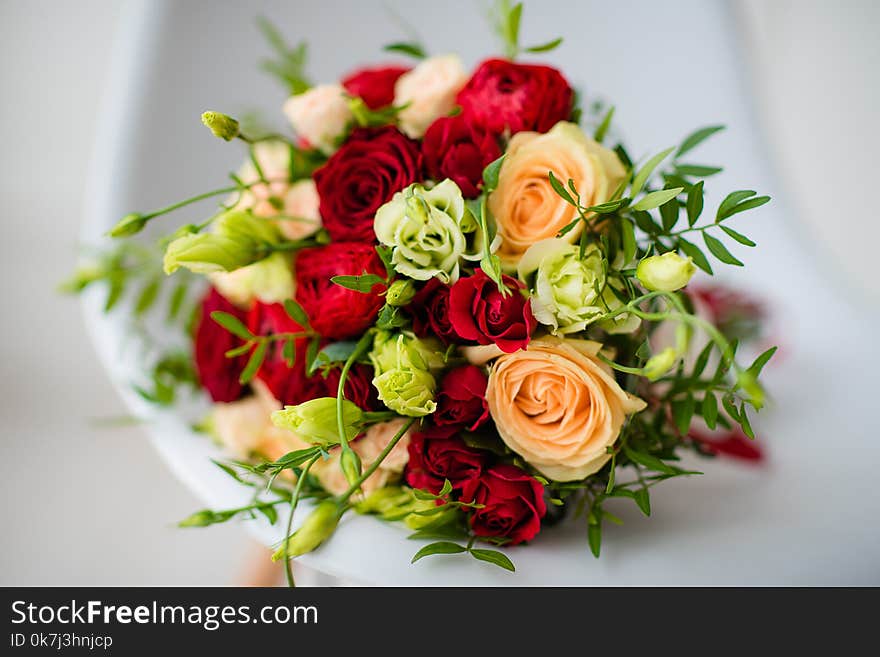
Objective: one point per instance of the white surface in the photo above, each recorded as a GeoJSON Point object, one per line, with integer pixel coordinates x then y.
{"type": "Point", "coordinates": [808, 517]}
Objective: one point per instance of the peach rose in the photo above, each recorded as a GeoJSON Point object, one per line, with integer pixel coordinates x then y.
{"type": "Point", "coordinates": [300, 210]}
{"type": "Point", "coordinates": [525, 206]}
{"type": "Point", "coordinates": [429, 91]}
{"type": "Point", "coordinates": [320, 115]}
{"type": "Point", "coordinates": [558, 406]}
{"type": "Point", "coordinates": [368, 448]}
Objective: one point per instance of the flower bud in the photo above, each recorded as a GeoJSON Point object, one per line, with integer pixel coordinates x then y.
{"type": "Point", "coordinates": [407, 391]}
{"type": "Point", "coordinates": [660, 364]}
{"type": "Point", "coordinates": [316, 529]}
{"type": "Point", "coordinates": [315, 421]}
{"type": "Point", "coordinates": [221, 125]}
{"type": "Point", "coordinates": [665, 273]}
{"type": "Point", "coordinates": [350, 463]}
{"type": "Point", "coordinates": [240, 239]}
{"type": "Point", "coordinates": [130, 224]}
{"type": "Point", "coordinates": [400, 293]}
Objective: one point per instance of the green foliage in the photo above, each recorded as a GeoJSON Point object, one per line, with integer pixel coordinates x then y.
{"type": "Point", "coordinates": [288, 64]}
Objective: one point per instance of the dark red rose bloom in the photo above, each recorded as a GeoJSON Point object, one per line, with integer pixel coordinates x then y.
{"type": "Point", "coordinates": [375, 86]}
{"type": "Point", "coordinates": [461, 400]}
{"type": "Point", "coordinates": [478, 311]}
{"type": "Point", "coordinates": [363, 175]}
{"type": "Point", "coordinates": [290, 385]}
{"type": "Point", "coordinates": [504, 95]}
{"type": "Point", "coordinates": [217, 373]}
{"type": "Point", "coordinates": [731, 443]}
{"type": "Point", "coordinates": [437, 454]}
{"type": "Point", "coordinates": [454, 148]}
{"type": "Point", "coordinates": [513, 503]}
{"type": "Point", "coordinates": [429, 310]}
{"type": "Point", "coordinates": [336, 312]}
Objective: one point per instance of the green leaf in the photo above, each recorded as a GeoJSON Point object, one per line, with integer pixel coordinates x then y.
{"type": "Point", "coordinates": [669, 214]}
{"type": "Point", "coordinates": [649, 461]}
{"type": "Point", "coordinates": [312, 354]}
{"type": "Point", "coordinates": [628, 239]}
{"type": "Point", "coordinates": [755, 368]}
{"type": "Point", "coordinates": [178, 296]}
{"type": "Point", "coordinates": [731, 200]}
{"type": "Point", "coordinates": [696, 138]}
{"type": "Point", "coordinates": [729, 406]}
{"type": "Point", "coordinates": [494, 557]}
{"type": "Point", "coordinates": [292, 459]}
{"type": "Point", "coordinates": [696, 255]}
{"type": "Point", "coordinates": [288, 352]}
{"type": "Point", "coordinates": [720, 251]}
{"type": "Point", "coordinates": [491, 173]}
{"type": "Point", "coordinates": [147, 297]}
{"type": "Point", "coordinates": [337, 352]}
{"type": "Point", "coordinates": [749, 204]}
{"type": "Point", "coordinates": [645, 172]}
{"type": "Point", "coordinates": [696, 170]}
{"type": "Point", "coordinates": [232, 324]}
{"type": "Point", "coordinates": [744, 422]}
{"type": "Point", "coordinates": [560, 189]}
{"type": "Point", "coordinates": [695, 203]}
{"type": "Point", "coordinates": [702, 360]}
{"type": "Point", "coordinates": [546, 47]}
{"type": "Point", "coordinates": [254, 362]}
{"type": "Point", "coordinates": [410, 49]}
{"type": "Point", "coordinates": [512, 26]}
{"type": "Point", "coordinates": [446, 489]}
{"type": "Point", "coordinates": [642, 496]}
{"type": "Point", "coordinates": [385, 253]}
{"type": "Point", "coordinates": [445, 529]}
{"type": "Point", "coordinates": [440, 547]}
{"type": "Point", "coordinates": [608, 207]}
{"type": "Point", "coordinates": [710, 409]}
{"type": "Point", "coordinates": [646, 223]}
{"type": "Point", "coordinates": [269, 511]}
{"type": "Point", "coordinates": [594, 537]}
{"type": "Point", "coordinates": [683, 412]}
{"type": "Point", "coordinates": [655, 199]}
{"type": "Point", "coordinates": [602, 130]}
{"type": "Point", "coordinates": [296, 312]}
{"type": "Point", "coordinates": [363, 283]}
{"type": "Point", "coordinates": [739, 237]}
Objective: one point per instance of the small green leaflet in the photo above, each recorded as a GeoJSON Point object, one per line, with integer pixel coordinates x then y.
{"type": "Point", "coordinates": [696, 254]}
{"type": "Point", "coordinates": [695, 203]}
{"type": "Point", "coordinates": [710, 409]}
{"type": "Point", "coordinates": [696, 170]}
{"type": "Point", "coordinates": [494, 557]}
{"type": "Point", "coordinates": [440, 547]}
{"type": "Point", "coordinates": [253, 364]}
{"type": "Point", "coordinates": [739, 237]}
{"type": "Point", "coordinates": [232, 324]}
{"type": "Point", "coordinates": [491, 173]}
{"type": "Point", "coordinates": [296, 312]}
{"type": "Point", "coordinates": [645, 172]}
{"type": "Point", "coordinates": [602, 130]}
{"type": "Point", "coordinates": [756, 367]}
{"type": "Point", "coordinates": [363, 283]}
{"type": "Point", "coordinates": [412, 49]}
{"type": "Point", "coordinates": [560, 189]}
{"type": "Point", "coordinates": [739, 201]}
{"type": "Point", "coordinates": [696, 138]}
{"type": "Point", "coordinates": [655, 199]}
{"type": "Point", "coordinates": [717, 248]}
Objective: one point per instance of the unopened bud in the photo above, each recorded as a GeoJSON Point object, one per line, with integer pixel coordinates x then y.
{"type": "Point", "coordinates": [315, 421]}
{"type": "Point", "coordinates": [660, 364]}
{"type": "Point", "coordinates": [665, 273]}
{"type": "Point", "coordinates": [130, 224]}
{"type": "Point", "coordinates": [221, 125]}
{"type": "Point", "coordinates": [400, 293]}
{"type": "Point", "coordinates": [316, 529]}
{"type": "Point", "coordinates": [350, 463]}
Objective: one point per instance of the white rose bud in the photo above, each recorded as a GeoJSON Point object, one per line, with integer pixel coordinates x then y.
{"type": "Point", "coordinates": [320, 115]}
{"type": "Point", "coordinates": [665, 273]}
{"type": "Point", "coordinates": [429, 91]}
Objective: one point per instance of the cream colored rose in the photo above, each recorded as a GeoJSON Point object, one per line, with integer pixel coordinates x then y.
{"type": "Point", "coordinates": [270, 280]}
{"type": "Point", "coordinates": [558, 406]}
{"type": "Point", "coordinates": [320, 115]}
{"type": "Point", "coordinates": [429, 91]}
{"type": "Point", "coordinates": [368, 447]}
{"type": "Point", "coordinates": [300, 210]}
{"type": "Point", "coordinates": [525, 206]}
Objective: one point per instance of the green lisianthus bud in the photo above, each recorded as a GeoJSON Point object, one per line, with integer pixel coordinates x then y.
{"type": "Point", "coordinates": [408, 391]}
{"type": "Point", "coordinates": [315, 421]}
{"type": "Point", "coordinates": [749, 384]}
{"type": "Point", "coordinates": [660, 364]}
{"type": "Point", "coordinates": [400, 350]}
{"type": "Point", "coordinates": [429, 231]}
{"type": "Point", "coordinates": [221, 125]}
{"type": "Point", "coordinates": [400, 293]}
{"type": "Point", "coordinates": [239, 239]}
{"type": "Point", "coordinates": [316, 529]}
{"type": "Point", "coordinates": [665, 273]}
{"type": "Point", "coordinates": [350, 463]}
{"type": "Point", "coordinates": [397, 503]}
{"type": "Point", "coordinates": [130, 224]}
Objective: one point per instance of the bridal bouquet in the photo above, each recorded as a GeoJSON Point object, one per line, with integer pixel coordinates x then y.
{"type": "Point", "coordinates": [451, 299]}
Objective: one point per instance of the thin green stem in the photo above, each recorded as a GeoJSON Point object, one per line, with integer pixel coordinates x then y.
{"type": "Point", "coordinates": [375, 464]}
{"type": "Point", "coordinates": [294, 501]}
{"type": "Point", "coordinates": [358, 351]}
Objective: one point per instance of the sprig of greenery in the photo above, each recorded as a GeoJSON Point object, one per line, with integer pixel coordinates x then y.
{"type": "Point", "coordinates": [289, 63]}
{"type": "Point", "coordinates": [505, 19]}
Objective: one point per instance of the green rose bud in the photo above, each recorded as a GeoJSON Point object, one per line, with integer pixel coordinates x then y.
{"type": "Point", "coordinates": [315, 420]}
{"type": "Point", "coordinates": [660, 364]}
{"type": "Point", "coordinates": [130, 224]}
{"type": "Point", "coordinates": [223, 126]}
{"type": "Point", "coordinates": [400, 293]}
{"type": "Point", "coordinates": [665, 273]}
{"type": "Point", "coordinates": [567, 290]}
{"type": "Point", "coordinates": [316, 529]}
{"type": "Point", "coordinates": [429, 231]}
{"type": "Point", "coordinates": [239, 239]}
{"type": "Point", "coordinates": [407, 391]}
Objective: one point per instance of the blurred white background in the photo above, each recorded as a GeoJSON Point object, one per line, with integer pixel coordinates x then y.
{"type": "Point", "coordinates": [89, 505]}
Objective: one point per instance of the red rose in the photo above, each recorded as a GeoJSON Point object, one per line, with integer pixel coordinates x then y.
{"type": "Point", "coordinates": [437, 454]}
{"type": "Point", "coordinates": [504, 95]}
{"type": "Point", "coordinates": [461, 400]}
{"type": "Point", "coordinates": [375, 86]}
{"type": "Point", "coordinates": [334, 311]}
{"type": "Point", "coordinates": [217, 373]}
{"type": "Point", "coordinates": [290, 385]}
{"type": "Point", "coordinates": [454, 148]}
{"type": "Point", "coordinates": [363, 175]}
{"type": "Point", "coordinates": [478, 311]}
{"type": "Point", "coordinates": [513, 503]}
{"type": "Point", "coordinates": [429, 309]}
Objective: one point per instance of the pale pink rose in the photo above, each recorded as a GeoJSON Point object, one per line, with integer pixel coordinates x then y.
{"type": "Point", "coordinates": [430, 90]}
{"type": "Point", "coordinates": [301, 217]}
{"type": "Point", "coordinates": [239, 425]}
{"type": "Point", "coordinates": [320, 115]}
